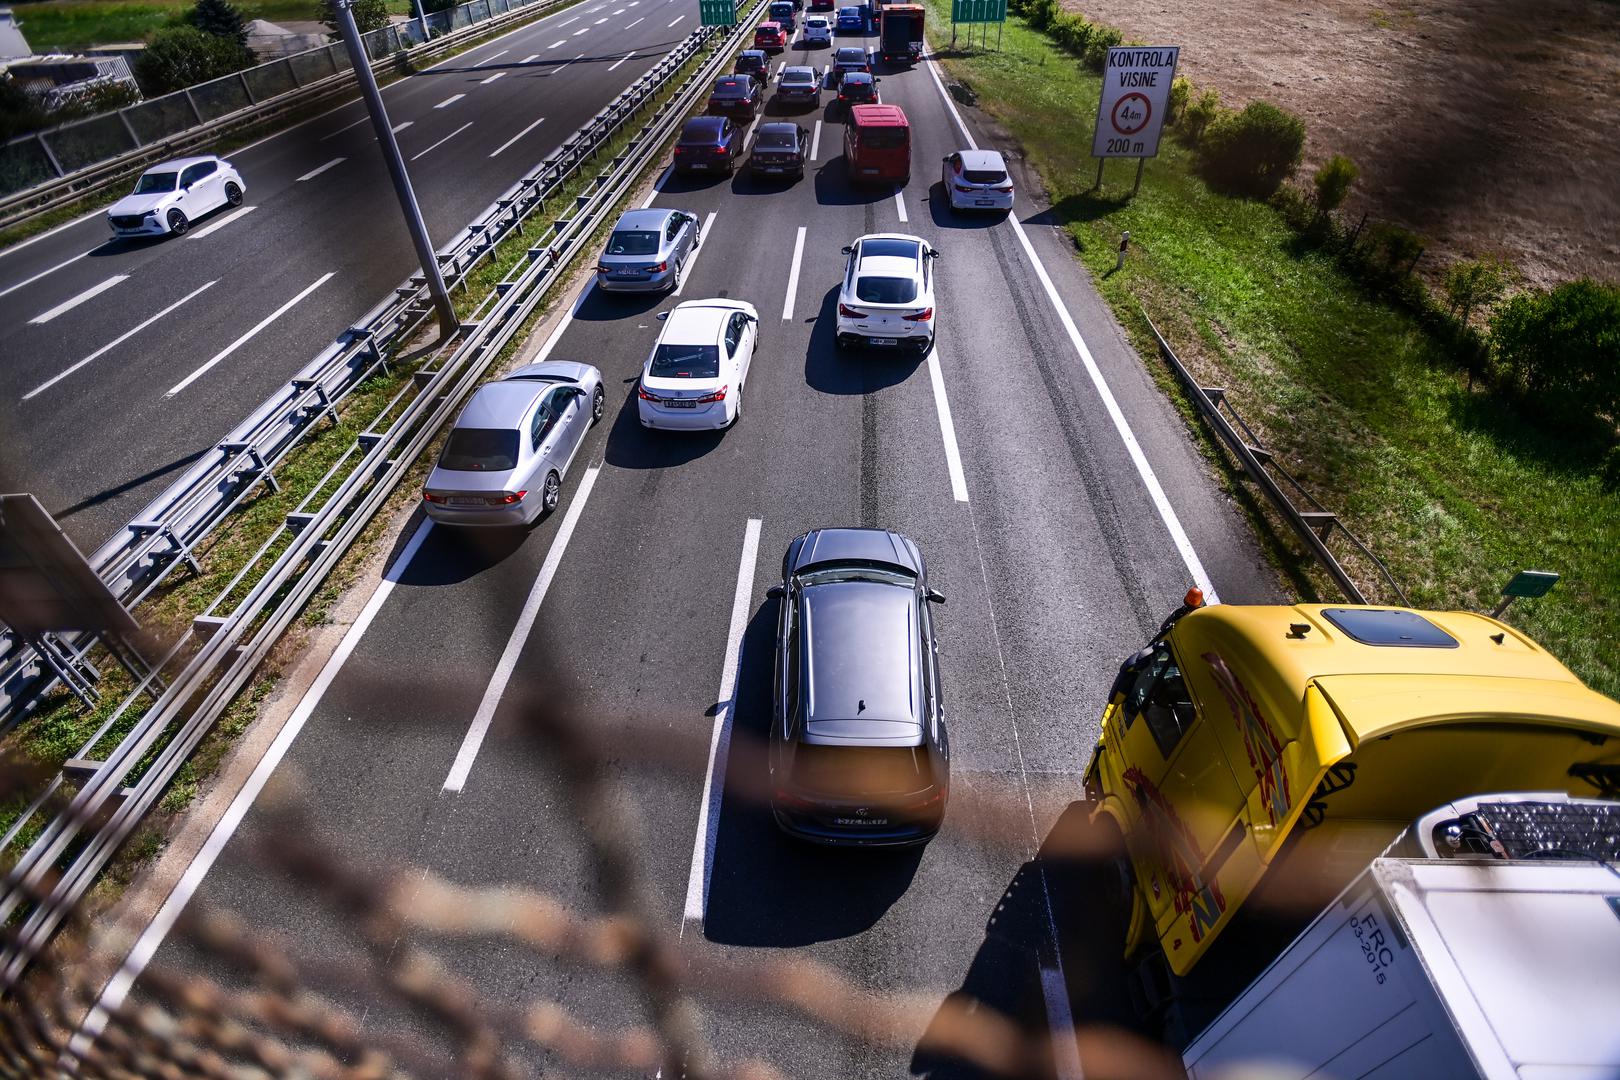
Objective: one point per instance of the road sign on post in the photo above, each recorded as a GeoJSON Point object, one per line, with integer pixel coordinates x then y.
{"type": "Point", "coordinates": [717, 12]}
{"type": "Point", "coordinates": [978, 11]}
{"type": "Point", "coordinates": [1135, 97]}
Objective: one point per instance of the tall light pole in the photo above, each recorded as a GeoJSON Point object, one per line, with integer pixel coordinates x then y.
{"type": "Point", "coordinates": [396, 168]}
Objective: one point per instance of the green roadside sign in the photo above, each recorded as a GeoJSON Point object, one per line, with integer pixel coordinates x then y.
{"type": "Point", "coordinates": [717, 12]}
{"type": "Point", "coordinates": [978, 11]}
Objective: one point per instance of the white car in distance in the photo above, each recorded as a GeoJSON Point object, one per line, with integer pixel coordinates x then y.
{"type": "Point", "coordinates": [818, 30]}
{"type": "Point", "coordinates": [887, 299]}
{"type": "Point", "coordinates": [169, 197]}
{"type": "Point", "coordinates": [694, 378]}
{"type": "Point", "coordinates": [977, 180]}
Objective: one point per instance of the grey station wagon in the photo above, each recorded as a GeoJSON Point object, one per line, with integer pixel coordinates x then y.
{"type": "Point", "coordinates": [858, 749]}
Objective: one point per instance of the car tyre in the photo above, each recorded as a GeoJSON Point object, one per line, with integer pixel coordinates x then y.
{"type": "Point", "coordinates": [598, 406]}
{"type": "Point", "coordinates": [233, 193]}
{"type": "Point", "coordinates": [177, 222]}
{"type": "Point", "coordinates": [550, 493]}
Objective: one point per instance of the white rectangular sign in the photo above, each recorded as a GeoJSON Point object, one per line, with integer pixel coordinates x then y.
{"type": "Point", "coordinates": [1135, 96]}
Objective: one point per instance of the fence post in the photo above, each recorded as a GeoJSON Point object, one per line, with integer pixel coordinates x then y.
{"type": "Point", "coordinates": [292, 69]}
{"type": "Point", "coordinates": [195, 112]}
{"type": "Point", "coordinates": [50, 155]}
{"type": "Point", "coordinates": [246, 89]}
{"type": "Point", "coordinates": [123, 114]}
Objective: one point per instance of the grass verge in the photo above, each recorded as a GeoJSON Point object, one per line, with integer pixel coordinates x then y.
{"type": "Point", "coordinates": [1446, 484]}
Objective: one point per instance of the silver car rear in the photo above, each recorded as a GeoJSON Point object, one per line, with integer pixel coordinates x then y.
{"type": "Point", "coordinates": [645, 251]}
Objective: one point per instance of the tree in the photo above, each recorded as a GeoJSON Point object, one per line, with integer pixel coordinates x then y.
{"type": "Point", "coordinates": [185, 56]}
{"type": "Point", "coordinates": [1332, 182]}
{"type": "Point", "coordinates": [1474, 283]}
{"type": "Point", "coordinates": [19, 113]}
{"type": "Point", "coordinates": [368, 15]}
{"type": "Point", "coordinates": [1562, 348]}
{"type": "Point", "coordinates": [220, 18]}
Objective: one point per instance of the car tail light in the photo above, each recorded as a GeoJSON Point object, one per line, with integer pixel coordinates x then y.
{"type": "Point", "coordinates": [850, 313]}
{"type": "Point", "coordinates": [658, 269]}
{"type": "Point", "coordinates": [966, 189]}
{"type": "Point", "coordinates": [841, 97]}
{"type": "Point", "coordinates": [644, 396]}
{"type": "Point", "coordinates": [718, 395]}
{"type": "Point", "coordinates": [603, 268]}
{"type": "Point", "coordinates": [783, 795]}
{"type": "Point", "coordinates": [679, 150]}
{"type": "Point", "coordinates": [428, 496]}
{"type": "Point", "coordinates": [1005, 190]}
{"type": "Point", "coordinates": [511, 497]}
{"type": "Point", "coordinates": [924, 315]}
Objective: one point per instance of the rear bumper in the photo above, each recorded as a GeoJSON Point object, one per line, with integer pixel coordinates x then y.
{"type": "Point", "coordinates": [917, 335]}
{"type": "Point", "coordinates": [711, 417]}
{"type": "Point", "coordinates": [994, 200]}
{"type": "Point", "coordinates": [909, 835]}
{"type": "Point", "coordinates": [651, 283]}
{"type": "Point", "coordinates": [704, 167]}
{"type": "Point", "coordinates": [505, 517]}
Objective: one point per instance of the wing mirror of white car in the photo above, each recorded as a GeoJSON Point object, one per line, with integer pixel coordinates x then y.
{"type": "Point", "coordinates": [662, 315]}
{"type": "Point", "coordinates": [935, 596]}
{"type": "Point", "coordinates": [847, 250]}
{"type": "Point", "coordinates": [933, 253]}
{"type": "Point", "coordinates": [776, 592]}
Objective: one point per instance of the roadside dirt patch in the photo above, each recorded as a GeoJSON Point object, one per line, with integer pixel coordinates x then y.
{"type": "Point", "coordinates": [1487, 126]}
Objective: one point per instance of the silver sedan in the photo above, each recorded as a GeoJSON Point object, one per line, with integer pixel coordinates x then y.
{"type": "Point", "coordinates": [506, 457]}
{"type": "Point", "coordinates": [647, 250]}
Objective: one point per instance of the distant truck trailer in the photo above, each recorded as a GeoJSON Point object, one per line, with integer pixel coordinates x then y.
{"type": "Point", "coordinates": [900, 32]}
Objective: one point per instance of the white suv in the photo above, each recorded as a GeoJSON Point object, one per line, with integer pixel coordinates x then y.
{"type": "Point", "coordinates": [887, 299]}
{"type": "Point", "coordinates": [170, 196]}
{"type": "Point", "coordinates": [693, 380]}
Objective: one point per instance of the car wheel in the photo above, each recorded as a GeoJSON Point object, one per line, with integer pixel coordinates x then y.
{"type": "Point", "coordinates": [233, 194]}
{"type": "Point", "coordinates": [551, 493]}
{"type": "Point", "coordinates": [178, 223]}
{"type": "Point", "coordinates": [598, 406]}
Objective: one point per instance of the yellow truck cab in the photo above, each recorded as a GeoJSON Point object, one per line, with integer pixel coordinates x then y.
{"type": "Point", "coordinates": [1299, 741]}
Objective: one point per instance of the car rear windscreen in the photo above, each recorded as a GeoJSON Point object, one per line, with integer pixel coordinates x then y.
{"type": "Point", "coordinates": [633, 243]}
{"type": "Point", "coordinates": [984, 176]}
{"type": "Point", "coordinates": [798, 78]}
{"type": "Point", "coordinates": [886, 290]}
{"type": "Point", "coordinates": [777, 140]}
{"type": "Point", "coordinates": [883, 138]}
{"type": "Point", "coordinates": [732, 87]}
{"type": "Point", "coordinates": [861, 772]}
{"type": "Point", "coordinates": [686, 362]}
{"type": "Point", "coordinates": [480, 450]}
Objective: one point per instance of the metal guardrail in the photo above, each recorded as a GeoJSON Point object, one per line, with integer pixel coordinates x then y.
{"type": "Point", "coordinates": [59, 867]}
{"type": "Point", "coordinates": [47, 169]}
{"type": "Point", "coordinates": [1315, 523]}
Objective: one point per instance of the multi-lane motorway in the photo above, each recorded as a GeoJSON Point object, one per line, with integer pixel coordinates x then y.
{"type": "Point", "coordinates": [1054, 492]}
{"type": "Point", "coordinates": [125, 359]}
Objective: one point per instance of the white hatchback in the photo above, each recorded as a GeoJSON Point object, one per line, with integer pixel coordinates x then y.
{"type": "Point", "coordinates": [977, 180]}
{"type": "Point", "coordinates": [694, 378]}
{"type": "Point", "coordinates": [887, 299]}
{"type": "Point", "coordinates": [817, 31]}
{"type": "Point", "coordinates": [169, 197]}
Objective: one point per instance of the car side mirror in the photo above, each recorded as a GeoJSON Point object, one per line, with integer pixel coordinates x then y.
{"type": "Point", "coordinates": [662, 315]}
{"type": "Point", "coordinates": [946, 159]}
{"type": "Point", "coordinates": [935, 596]}
{"type": "Point", "coordinates": [776, 592]}
{"type": "Point", "coordinates": [846, 250]}
{"type": "Point", "coordinates": [933, 253]}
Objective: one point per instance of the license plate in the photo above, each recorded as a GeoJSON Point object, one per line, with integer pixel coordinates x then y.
{"type": "Point", "coordinates": [773, 168]}
{"type": "Point", "coordinates": [869, 172]}
{"type": "Point", "coordinates": [860, 821]}
{"type": "Point", "coordinates": [983, 202]}
{"type": "Point", "coordinates": [676, 404]}
{"type": "Point", "coordinates": [699, 165]}
{"type": "Point", "coordinates": [465, 500]}
{"type": "Point", "coordinates": [883, 341]}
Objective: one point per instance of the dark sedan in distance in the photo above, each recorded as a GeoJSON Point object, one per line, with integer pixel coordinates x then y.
{"type": "Point", "coordinates": [736, 96]}
{"type": "Point", "coordinates": [858, 749]}
{"type": "Point", "coordinates": [780, 149]}
{"type": "Point", "coordinates": [799, 85]}
{"type": "Point", "coordinates": [709, 144]}
{"type": "Point", "coordinates": [851, 20]}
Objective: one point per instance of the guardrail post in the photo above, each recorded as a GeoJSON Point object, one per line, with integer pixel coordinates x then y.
{"type": "Point", "coordinates": [135, 140]}
{"type": "Point", "coordinates": [50, 155]}
{"type": "Point", "coordinates": [196, 112]}
{"type": "Point", "coordinates": [246, 89]}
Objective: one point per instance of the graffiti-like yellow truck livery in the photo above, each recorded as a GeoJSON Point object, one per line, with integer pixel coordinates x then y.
{"type": "Point", "coordinates": [1243, 741]}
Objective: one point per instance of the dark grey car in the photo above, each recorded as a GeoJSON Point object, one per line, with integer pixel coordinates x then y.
{"type": "Point", "coordinates": [646, 251]}
{"type": "Point", "coordinates": [858, 749]}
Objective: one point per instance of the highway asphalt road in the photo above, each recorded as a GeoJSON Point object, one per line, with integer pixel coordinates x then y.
{"type": "Point", "coordinates": [1046, 481]}
{"type": "Point", "coordinates": [100, 333]}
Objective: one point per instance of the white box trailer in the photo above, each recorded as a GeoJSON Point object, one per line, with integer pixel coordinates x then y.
{"type": "Point", "coordinates": [1433, 969]}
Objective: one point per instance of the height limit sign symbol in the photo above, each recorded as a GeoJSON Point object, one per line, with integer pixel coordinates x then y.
{"type": "Point", "coordinates": [1135, 97]}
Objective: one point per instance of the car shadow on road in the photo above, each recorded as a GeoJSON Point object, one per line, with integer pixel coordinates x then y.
{"type": "Point", "coordinates": [766, 889]}
{"type": "Point", "coordinates": [747, 182]}
{"type": "Point", "coordinates": [631, 446]}
{"type": "Point", "coordinates": [939, 207]}
{"type": "Point", "coordinates": [833, 186]}
{"type": "Point", "coordinates": [681, 183]}
{"type": "Point", "coordinates": [602, 306]}
{"type": "Point", "coordinates": [450, 555]}
{"type": "Point", "coordinates": [1056, 906]}
{"type": "Point", "coordinates": [831, 370]}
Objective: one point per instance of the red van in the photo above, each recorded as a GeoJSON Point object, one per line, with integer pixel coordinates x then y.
{"type": "Point", "coordinates": [877, 144]}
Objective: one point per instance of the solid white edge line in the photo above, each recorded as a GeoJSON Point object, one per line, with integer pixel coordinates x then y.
{"type": "Point", "coordinates": [947, 426]}
{"type": "Point", "coordinates": [815, 142]}
{"type": "Point", "coordinates": [658, 186]}
{"type": "Point", "coordinates": [115, 342]}
{"type": "Point", "coordinates": [313, 173]}
{"type": "Point", "coordinates": [68, 305]}
{"type": "Point", "coordinates": [1150, 479]}
{"type": "Point", "coordinates": [442, 141]}
{"type": "Point", "coordinates": [900, 204]}
{"type": "Point", "coordinates": [707, 235]}
{"type": "Point", "coordinates": [243, 340]}
{"type": "Point", "coordinates": [708, 823]}
{"type": "Point", "coordinates": [146, 946]}
{"type": "Point", "coordinates": [44, 273]}
{"type": "Point", "coordinates": [210, 230]}
{"type": "Point", "coordinates": [793, 275]}
{"type": "Point", "coordinates": [470, 743]}
{"type": "Point", "coordinates": [451, 100]}
{"type": "Point", "coordinates": [622, 59]}
{"type": "Point", "coordinates": [518, 136]}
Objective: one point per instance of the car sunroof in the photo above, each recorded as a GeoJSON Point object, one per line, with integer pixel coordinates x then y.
{"type": "Point", "coordinates": [1383, 626]}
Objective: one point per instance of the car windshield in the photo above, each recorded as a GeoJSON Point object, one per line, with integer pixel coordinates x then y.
{"type": "Point", "coordinates": [983, 176]}
{"type": "Point", "coordinates": [886, 290]}
{"type": "Point", "coordinates": [880, 575]}
{"type": "Point", "coordinates": [480, 450]}
{"type": "Point", "coordinates": [686, 362]}
{"type": "Point", "coordinates": [849, 13]}
{"type": "Point", "coordinates": [777, 140]}
{"type": "Point", "coordinates": [633, 243]}
{"type": "Point", "coordinates": [861, 771]}
{"type": "Point", "coordinates": [154, 182]}
{"type": "Point", "coordinates": [891, 249]}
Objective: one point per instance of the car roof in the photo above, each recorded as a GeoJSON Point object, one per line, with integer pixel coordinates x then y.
{"type": "Point", "coordinates": [697, 322]}
{"type": "Point", "coordinates": [982, 159]}
{"type": "Point", "coordinates": [643, 219]}
{"type": "Point", "coordinates": [881, 547]}
{"type": "Point", "coordinates": [501, 404]}
{"type": "Point", "coordinates": [858, 76]}
{"type": "Point", "coordinates": [879, 116]}
{"type": "Point", "coordinates": [181, 163]}
{"type": "Point", "coordinates": [861, 654]}
{"type": "Point", "coordinates": [799, 69]}
{"type": "Point", "coordinates": [703, 125]}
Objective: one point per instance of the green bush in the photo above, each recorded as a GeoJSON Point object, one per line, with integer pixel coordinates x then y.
{"type": "Point", "coordinates": [1072, 32]}
{"type": "Point", "coordinates": [1561, 349]}
{"type": "Point", "coordinates": [1253, 151]}
{"type": "Point", "coordinates": [1180, 91]}
{"type": "Point", "coordinates": [1396, 250]}
{"type": "Point", "coordinates": [1200, 113]}
{"type": "Point", "coordinates": [369, 15]}
{"type": "Point", "coordinates": [185, 56]}
{"type": "Point", "coordinates": [1102, 39]}
{"type": "Point", "coordinates": [1473, 284]}
{"type": "Point", "coordinates": [1332, 182]}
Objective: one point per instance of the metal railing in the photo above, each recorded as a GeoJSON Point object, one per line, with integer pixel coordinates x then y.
{"type": "Point", "coordinates": [46, 169]}
{"type": "Point", "coordinates": [1315, 523]}
{"type": "Point", "coordinates": [45, 884]}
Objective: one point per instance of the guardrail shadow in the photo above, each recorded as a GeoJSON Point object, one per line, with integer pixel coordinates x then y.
{"type": "Point", "coordinates": [767, 889]}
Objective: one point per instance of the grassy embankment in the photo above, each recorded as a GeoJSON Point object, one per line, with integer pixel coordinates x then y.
{"type": "Point", "coordinates": [1451, 487]}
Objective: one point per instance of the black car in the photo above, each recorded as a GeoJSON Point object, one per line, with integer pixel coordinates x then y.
{"type": "Point", "coordinates": [847, 60]}
{"type": "Point", "coordinates": [753, 63]}
{"type": "Point", "coordinates": [736, 96]}
{"type": "Point", "coordinates": [799, 85]}
{"type": "Point", "coordinates": [709, 144]}
{"type": "Point", "coordinates": [858, 749]}
{"type": "Point", "coordinates": [779, 149]}
{"type": "Point", "coordinates": [858, 88]}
